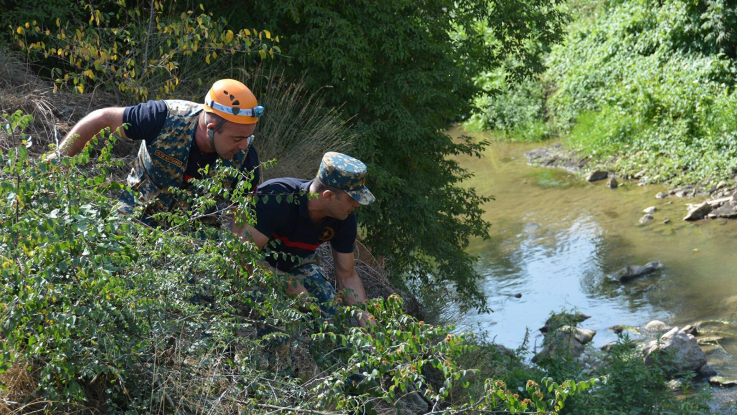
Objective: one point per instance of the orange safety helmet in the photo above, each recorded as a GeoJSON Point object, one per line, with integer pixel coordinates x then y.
{"type": "Point", "coordinates": [233, 101]}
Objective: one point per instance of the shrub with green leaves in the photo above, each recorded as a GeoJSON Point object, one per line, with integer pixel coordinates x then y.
{"type": "Point", "coordinates": [514, 108]}
{"type": "Point", "coordinates": [628, 386]}
{"type": "Point", "coordinates": [650, 84]}
{"type": "Point", "coordinates": [140, 52]}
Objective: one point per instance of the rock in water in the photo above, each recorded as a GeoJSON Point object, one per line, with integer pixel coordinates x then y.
{"type": "Point", "coordinates": [646, 219]}
{"type": "Point", "coordinates": [562, 345]}
{"type": "Point", "coordinates": [683, 350]}
{"type": "Point", "coordinates": [656, 325]}
{"type": "Point", "coordinates": [651, 209]}
{"type": "Point", "coordinates": [612, 183]}
{"type": "Point", "coordinates": [707, 371]}
{"type": "Point", "coordinates": [661, 195]}
{"type": "Point", "coordinates": [631, 272]}
{"type": "Point", "coordinates": [709, 339]}
{"type": "Point", "coordinates": [692, 329]}
{"type": "Point", "coordinates": [722, 381]}
{"type": "Point", "coordinates": [727, 210]}
{"type": "Point", "coordinates": [597, 175]}
{"type": "Point", "coordinates": [582, 336]}
{"type": "Point", "coordinates": [698, 211]}
{"type": "Point", "coordinates": [559, 320]}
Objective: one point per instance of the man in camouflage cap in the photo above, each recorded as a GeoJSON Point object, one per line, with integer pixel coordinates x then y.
{"type": "Point", "coordinates": [296, 226]}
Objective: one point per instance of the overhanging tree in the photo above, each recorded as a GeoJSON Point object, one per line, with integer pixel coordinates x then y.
{"type": "Point", "coordinates": [404, 68]}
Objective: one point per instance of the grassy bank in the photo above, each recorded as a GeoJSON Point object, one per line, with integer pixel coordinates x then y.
{"type": "Point", "coordinates": [644, 86]}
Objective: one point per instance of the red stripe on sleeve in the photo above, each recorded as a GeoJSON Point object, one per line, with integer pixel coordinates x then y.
{"type": "Point", "coordinates": [294, 244]}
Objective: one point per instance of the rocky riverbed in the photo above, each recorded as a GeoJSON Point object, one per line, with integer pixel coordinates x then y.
{"type": "Point", "coordinates": [710, 201]}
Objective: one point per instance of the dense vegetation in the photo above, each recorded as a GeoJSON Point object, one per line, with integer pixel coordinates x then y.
{"type": "Point", "coordinates": [399, 70]}
{"type": "Point", "coordinates": [643, 86]}
{"type": "Point", "coordinates": [102, 314]}
{"type": "Point", "coordinates": [654, 83]}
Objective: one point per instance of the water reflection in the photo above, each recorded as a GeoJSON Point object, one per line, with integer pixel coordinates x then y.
{"type": "Point", "coordinates": [554, 239]}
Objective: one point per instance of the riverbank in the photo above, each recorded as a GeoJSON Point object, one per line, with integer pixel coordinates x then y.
{"type": "Point", "coordinates": [555, 238]}
{"type": "Point", "coordinates": [707, 200]}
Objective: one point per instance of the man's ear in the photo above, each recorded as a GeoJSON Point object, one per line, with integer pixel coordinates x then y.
{"type": "Point", "coordinates": [328, 195]}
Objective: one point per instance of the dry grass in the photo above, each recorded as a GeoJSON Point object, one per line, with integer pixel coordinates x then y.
{"type": "Point", "coordinates": [297, 128]}
{"type": "Point", "coordinates": [20, 383]}
{"type": "Point", "coordinates": [54, 113]}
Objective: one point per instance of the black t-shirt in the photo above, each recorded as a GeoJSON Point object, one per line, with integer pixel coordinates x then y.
{"type": "Point", "coordinates": [146, 120]}
{"type": "Point", "coordinates": [289, 227]}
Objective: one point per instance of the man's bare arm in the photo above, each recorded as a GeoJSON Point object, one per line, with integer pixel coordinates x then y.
{"type": "Point", "coordinates": [90, 126]}
{"type": "Point", "coordinates": [348, 281]}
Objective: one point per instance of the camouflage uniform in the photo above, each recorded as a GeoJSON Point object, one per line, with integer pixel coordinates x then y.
{"type": "Point", "coordinates": [161, 164]}
{"type": "Point", "coordinates": [314, 279]}
{"type": "Point", "coordinates": [340, 172]}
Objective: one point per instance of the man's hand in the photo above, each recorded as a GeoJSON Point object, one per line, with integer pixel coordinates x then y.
{"type": "Point", "coordinates": [367, 319]}
{"type": "Point", "coordinates": [350, 285]}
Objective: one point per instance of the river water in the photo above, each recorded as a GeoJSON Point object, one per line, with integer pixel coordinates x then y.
{"type": "Point", "coordinates": [555, 237]}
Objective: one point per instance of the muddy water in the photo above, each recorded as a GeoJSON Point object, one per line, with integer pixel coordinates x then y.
{"type": "Point", "coordinates": [555, 237]}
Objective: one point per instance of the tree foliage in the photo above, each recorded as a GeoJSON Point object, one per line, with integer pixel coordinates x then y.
{"type": "Point", "coordinates": [140, 52]}
{"type": "Point", "coordinates": [405, 69]}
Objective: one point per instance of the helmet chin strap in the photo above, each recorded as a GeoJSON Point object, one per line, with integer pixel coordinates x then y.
{"type": "Point", "coordinates": [211, 134]}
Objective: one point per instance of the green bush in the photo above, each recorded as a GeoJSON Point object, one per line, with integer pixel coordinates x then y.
{"type": "Point", "coordinates": [514, 108]}
{"type": "Point", "coordinates": [650, 84]}
{"type": "Point", "coordinates": [629, 386]}
{"type": "Point", "coordinates": [142, 55]}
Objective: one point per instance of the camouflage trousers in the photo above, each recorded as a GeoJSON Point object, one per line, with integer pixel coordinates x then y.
{"type": "Point", "coordinates": [125, 206]}
{"type": "Point", "coordinates": [313, 277]}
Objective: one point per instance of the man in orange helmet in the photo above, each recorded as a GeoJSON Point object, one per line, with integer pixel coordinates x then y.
{"type": "Point", "coordinates": [178, 138]}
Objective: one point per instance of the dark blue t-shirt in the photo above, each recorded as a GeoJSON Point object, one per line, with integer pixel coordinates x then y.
{"type": "Point", "coordinates": [289, 227]}
{"type": "Point", "coordinates": [146, 120]}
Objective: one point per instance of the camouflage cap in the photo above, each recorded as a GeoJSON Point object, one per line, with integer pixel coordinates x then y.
{"type": "Point", "coordinates": [345, 173]}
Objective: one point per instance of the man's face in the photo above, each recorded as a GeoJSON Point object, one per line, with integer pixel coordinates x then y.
{"type": "Point", "coordinates": [232, 138]}
{"type": "Point", "coordinates": [341, 205]}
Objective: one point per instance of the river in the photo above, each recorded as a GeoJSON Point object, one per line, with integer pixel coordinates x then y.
{"type": "Point", "coordinates": [555, 237]}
